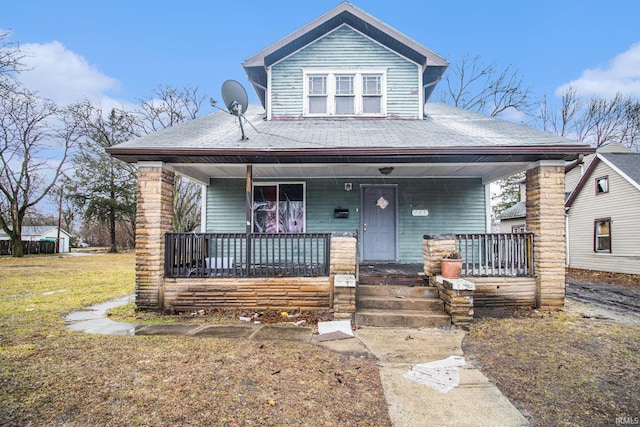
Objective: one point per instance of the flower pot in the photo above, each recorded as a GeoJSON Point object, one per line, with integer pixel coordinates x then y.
{"type": "Point", "coordinates": [450, 268]}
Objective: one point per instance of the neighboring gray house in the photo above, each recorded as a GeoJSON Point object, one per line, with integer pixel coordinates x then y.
{"type": "Point", "coordinates": [576, 169]}
{"type": "Point", "coordinates": [602, 214]}
{"type": "Point", "coordinates": [514, 219]}
{"type": "Point", "coordinates": [43, 232]}
{"type": "Point", "coordinates": [343, 150]}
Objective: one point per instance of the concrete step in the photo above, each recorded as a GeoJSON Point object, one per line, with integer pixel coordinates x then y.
{"type": "Point", "coordinates": [387, 279]}
{"type": "Point", "coordinates": [399, 303]}
{"type": "Point", "coordinates": [397, 291]}
{"type": "Point", "coordinates": [402, 319]}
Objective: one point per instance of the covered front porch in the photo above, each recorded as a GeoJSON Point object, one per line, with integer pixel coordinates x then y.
{"type": "Point", "coordinates": [297, 270]}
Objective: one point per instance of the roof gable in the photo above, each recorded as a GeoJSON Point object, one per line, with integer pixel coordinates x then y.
{"type": "Point", "coordinates": [627, 165]}
{"type": "Point", "coordinates": [345, 13]}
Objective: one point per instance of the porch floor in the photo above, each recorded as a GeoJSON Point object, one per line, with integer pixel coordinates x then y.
{"type": "Point", "coordinates": [392, 274]}
{"type": "Point", "coordinates": [392, 269]}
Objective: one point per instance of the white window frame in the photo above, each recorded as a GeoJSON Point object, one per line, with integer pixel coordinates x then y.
{"type": "Point", "coordinates": [277, 184]}
{"type": "Point", "coordinates": [331, 74]}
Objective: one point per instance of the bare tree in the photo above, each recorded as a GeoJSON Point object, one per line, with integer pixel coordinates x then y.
{"type": "Point", "coordinates": [168, 107]}
{"type": "Point", "coordinates": [35, 137]}
{"type": "Point", "coordinates": [597, 121]}
{"type": "Point", "coordinates": [10, 58]}
{"type": "Point", "coordinates": [565, 122]}
{"type": "Point", "coordinates": [186, 206]}
{"type": "Point", "coordinates": [485, 89]}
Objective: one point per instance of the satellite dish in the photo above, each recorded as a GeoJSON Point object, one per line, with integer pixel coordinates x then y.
{"type": "Point", "coordinates": [235, 97]}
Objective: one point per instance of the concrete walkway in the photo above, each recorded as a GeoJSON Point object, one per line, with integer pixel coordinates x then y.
{"type": "Point", "coordinates": [475, 402]}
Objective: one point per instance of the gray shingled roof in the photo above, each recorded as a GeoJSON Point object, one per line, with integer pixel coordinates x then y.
{"type": "Point", "coordinates": [519, 210]}
{"type": "Point", "coordinates": [628, 163]}
{"type": "Point", "coordinates": [443, 127]}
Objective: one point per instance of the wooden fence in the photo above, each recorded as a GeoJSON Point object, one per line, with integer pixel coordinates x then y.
{"type": "Point", "coordinates": [30, 247]}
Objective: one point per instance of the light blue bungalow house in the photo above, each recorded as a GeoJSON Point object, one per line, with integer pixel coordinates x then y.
{"type": "Point", "coordinates": [344, 167]}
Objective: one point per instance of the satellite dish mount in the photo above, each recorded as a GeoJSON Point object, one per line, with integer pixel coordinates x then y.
{"type": "Point", "coordinates": [236, 100]}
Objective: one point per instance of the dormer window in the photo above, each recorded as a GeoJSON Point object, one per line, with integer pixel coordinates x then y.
{"type": "Point", "coordinates": [329, 92]}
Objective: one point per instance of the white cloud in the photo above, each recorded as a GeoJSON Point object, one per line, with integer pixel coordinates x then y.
{"type": "Point", "coordinates": [622, 75]}
{"type": "Point", "coordinates": [63, 76]}
{"type": "Point", "coordinates": [513, 115]}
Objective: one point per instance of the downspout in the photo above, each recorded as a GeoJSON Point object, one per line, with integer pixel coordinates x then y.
{"type": "Point", "coordinates": [566, 237]}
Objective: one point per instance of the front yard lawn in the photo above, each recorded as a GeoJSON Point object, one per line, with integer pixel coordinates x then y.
{"type": "Point", "coordinates": [50, 375]}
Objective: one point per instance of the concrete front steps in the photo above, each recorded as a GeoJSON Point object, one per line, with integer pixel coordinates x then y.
{"type": "Point", "coordinates": [400, 306]}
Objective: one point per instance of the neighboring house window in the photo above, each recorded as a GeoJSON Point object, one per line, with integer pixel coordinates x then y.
{"type": "Point", "coordinates": [329, 92]}
{"type": "Point", "coordinates": [602, 185]}
{"type": "Point", "coordinates": [518, 229]}
{"type": "Point", "coordinates": [602, 235]}
{"type": "Point", "coordinates": [278, 208]}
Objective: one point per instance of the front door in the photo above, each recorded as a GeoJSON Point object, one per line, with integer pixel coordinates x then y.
{"type": "Point", "coordinates": [379, 222]}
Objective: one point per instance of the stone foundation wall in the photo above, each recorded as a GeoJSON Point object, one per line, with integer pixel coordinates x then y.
{"type": "Point", "coordinates": [275, 293]}
{"type": "Point", "coordinates": [504, 291]}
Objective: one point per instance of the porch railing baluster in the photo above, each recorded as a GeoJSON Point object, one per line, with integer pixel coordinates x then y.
{"type": "Point", "coordinates": [225, 254]}
{"type": "Point", "coordinates": [497, 254]}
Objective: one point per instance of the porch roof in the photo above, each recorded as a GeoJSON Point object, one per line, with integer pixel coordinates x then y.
{"type": "Point", "coordinates": [446, 135]}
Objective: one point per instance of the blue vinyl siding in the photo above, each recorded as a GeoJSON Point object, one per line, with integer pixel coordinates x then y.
{"type": "Point", "coordinates": [454, 205]}
{"type": "Point", "coordinates": [345, 48]}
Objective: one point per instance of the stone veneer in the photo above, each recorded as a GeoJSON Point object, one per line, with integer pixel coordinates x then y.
{"type": "Point", "coordinates": [154, 217]}
{"type": "Point", "coordinates": [457, 295]}
{"type": "Point", "coordinates": [433, 245]}
{"type": "Point", "coordinates": [546, 219]}
{"type": "Point", "coordinates": [343, 273]}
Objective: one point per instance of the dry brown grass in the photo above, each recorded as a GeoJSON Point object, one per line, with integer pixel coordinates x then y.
{"type": "Point", "coordinates": [52, 376]}
{"type": "Point", "coordinates": [563, 369]}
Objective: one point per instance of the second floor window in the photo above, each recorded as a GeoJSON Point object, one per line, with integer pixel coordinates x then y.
{"type": "Point", "coordinates": [602, 185]}
{"type": "Point", "coordinates": [337, 93]}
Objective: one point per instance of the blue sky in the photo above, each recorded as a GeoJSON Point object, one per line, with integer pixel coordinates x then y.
{"type": "Point", "coordinates": [118, 51]}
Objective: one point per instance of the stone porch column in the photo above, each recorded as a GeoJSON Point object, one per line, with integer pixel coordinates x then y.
{"type": "Point", "coordinates": [546, 219]}
{"type": "Point", "coordinates": [344, 254]}
{"type": "Point", "coordinates": [154, 218]}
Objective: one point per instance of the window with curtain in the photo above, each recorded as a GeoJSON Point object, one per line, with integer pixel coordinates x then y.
{"type": "Point", "coordinates": [278, 208]}
{"type": "Point", "coordinates": [602, 235]}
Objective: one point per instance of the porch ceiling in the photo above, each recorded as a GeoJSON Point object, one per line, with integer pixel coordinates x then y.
{"type": "Point", "coordinates": [489, 172]}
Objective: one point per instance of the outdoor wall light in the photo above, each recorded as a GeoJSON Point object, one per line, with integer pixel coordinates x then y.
{"type": "Point", "coordinates": [386, 170]}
